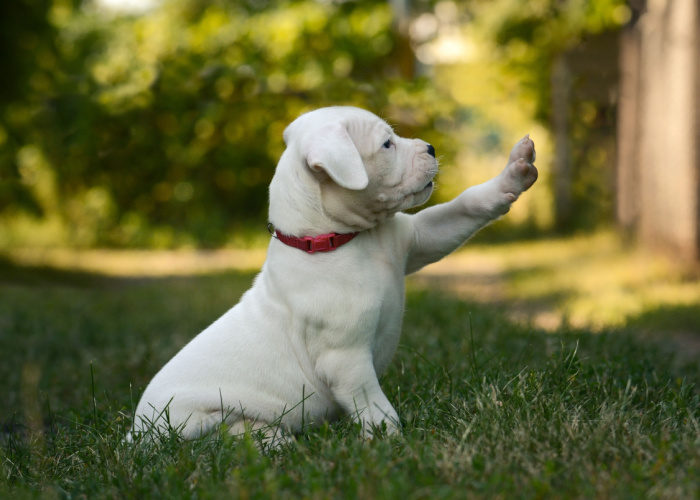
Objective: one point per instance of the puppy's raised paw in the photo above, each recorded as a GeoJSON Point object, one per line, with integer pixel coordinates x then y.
{"type": "Point", "coordinates": [524, 149]}
{"type": "Point", "coordinates": [520, 173]}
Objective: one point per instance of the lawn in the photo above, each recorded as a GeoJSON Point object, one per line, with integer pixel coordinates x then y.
{"type": "Point", "coordinates": [493, 405]}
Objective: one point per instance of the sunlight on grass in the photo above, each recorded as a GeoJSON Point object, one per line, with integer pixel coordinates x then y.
{"type": "Point", "coordinates": [587, 281]}
{"type": "Point", "coordinates": [595, 281]}
{"type": "Point", "coordinates": [141, 262]}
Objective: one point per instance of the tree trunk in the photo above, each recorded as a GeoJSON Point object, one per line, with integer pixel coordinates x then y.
{"type": "Point", "coordinates": [628, 132]}
{"type": "Point", "coordinates": [562, 168]}
{"type": "Point", "coordinates": [659, 160]}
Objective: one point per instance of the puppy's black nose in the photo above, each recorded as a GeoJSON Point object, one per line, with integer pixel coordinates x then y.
{"type": "Point", "coordinates": [431, 150]}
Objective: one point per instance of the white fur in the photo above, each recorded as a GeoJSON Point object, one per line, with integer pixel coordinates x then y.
{"type": "Point", "coordinates": [311, 337]}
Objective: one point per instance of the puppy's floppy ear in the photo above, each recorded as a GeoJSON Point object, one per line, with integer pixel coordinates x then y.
{"type": "Point", "coordinates": [331, 149]}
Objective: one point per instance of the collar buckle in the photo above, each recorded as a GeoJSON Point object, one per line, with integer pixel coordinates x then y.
{"type": "Point", "coordinates": [313, 244]}
{"type": "Point", "coordinates": [322, 243]}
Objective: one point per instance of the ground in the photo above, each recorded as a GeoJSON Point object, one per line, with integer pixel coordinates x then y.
{"type": "Point", "coordinates": [524, 370]}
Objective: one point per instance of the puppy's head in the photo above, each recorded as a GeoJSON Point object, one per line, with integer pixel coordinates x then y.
{"type": "Point", "coordinates": [361, 170]}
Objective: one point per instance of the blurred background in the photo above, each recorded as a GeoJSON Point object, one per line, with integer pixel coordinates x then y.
{"type": "Point", "coordinates": [158, 123]}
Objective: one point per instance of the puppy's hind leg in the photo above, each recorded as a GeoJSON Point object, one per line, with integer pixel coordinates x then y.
{"type": "Point", "coordinates": [266, 436]}
{"type": "Point", "coordinates": [202, 423]}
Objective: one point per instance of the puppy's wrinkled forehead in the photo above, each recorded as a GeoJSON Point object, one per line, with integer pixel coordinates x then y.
{"type": "Point", "coordinates": [361, 125]}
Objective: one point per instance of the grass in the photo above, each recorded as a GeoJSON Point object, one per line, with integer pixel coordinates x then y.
{"type": "Point", "coordinates": [491, 407]}
{"type": "Point", "coordinates": [593, 282]}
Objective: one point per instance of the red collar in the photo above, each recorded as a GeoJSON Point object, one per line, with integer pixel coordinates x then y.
{"type": "Point", "coordinates": [321, 243]}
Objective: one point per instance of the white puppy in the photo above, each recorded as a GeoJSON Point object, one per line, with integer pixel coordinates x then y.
{"type": "Point", "coordinates": [309, 340]}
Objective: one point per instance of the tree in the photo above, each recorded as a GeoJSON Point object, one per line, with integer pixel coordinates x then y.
{"type": "Point", "coordinates": [658, 184]}
{"type": "Point", "coordinates": [164, 129]}
{"type": "Point", "coordinates": [29, 58]}
{"type": "Point", "coordinates": [566, 61]}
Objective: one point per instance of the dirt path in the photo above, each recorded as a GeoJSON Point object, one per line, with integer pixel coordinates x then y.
{"type": "Point", "coordinates": [141, 263]}
{"type": "Point", "coordinates": [592, 282]}
{"type": "Point", "coordinates": [481, 278]}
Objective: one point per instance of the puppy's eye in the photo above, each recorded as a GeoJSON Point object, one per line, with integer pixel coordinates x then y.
{"type": "Point", "coordinates": [387, 144]}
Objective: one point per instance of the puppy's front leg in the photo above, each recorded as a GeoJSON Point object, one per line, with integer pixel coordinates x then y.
{"type": "Point", "coordinates": [441, 229]}
{"type": "Point", "coordinates": [350, 375]}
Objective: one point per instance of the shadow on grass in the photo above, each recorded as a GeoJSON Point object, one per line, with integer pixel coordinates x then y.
{"type": "Point", "coordinates": [11, 273]}
{"type": "Point", "coordinates": [683, 317]}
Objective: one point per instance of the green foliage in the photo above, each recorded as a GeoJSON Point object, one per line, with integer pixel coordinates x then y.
{"type": "Point", "coordinates": [164, 129]}
{"type": "Point", "coordinates": [489, 408]}
{"type": "Point", "coordinates": [530, 39]}
{"type": "Point", "coordinates": [528, 36]}
{"type": "Point", "coordinates": [28, 54]}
